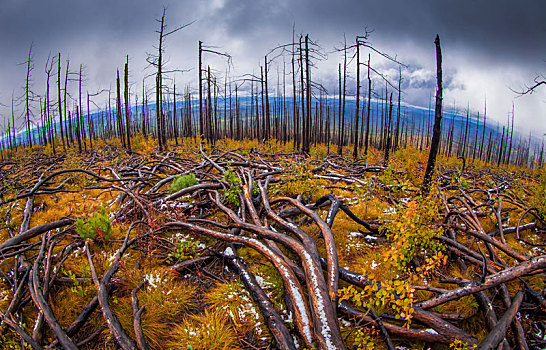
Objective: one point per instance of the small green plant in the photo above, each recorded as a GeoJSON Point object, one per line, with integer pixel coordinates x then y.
{"type": "Point", "coordinates": [234, 190]}
{"type": "Point", "coordinates": [464, 184]}
{"type": "Point", "coordinates": [184, 250]}
{"type": "Point", "coordinates": [182, 181]}
{"type": "Point", "coordinates": [97, 227]}
{"type": "Point", "coordinates": [77, 287]}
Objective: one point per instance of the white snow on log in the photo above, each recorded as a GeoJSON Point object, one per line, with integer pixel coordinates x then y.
{"type": "Point", "coordinates": [325, 329]}
{"type": "Point", "coordinates": [229, 251]}
{"type": "Point", "coordinates": [295, 292]}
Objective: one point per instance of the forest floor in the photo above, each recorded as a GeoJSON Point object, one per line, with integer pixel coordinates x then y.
{"type": "Point", "coordinates": [191, 248]}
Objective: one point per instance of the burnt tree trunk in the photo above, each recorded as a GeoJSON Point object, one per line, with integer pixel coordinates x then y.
{"type": "Point", "coordinates": [126, 95]}
{"type": "Point", "coordinates": [437, 130]}
{"type": "Point", "coordinates": [357, 100]}
{"type": "Point", "coordinates": [59, 98]}
{"type": "Point", "coordinates": [118, 112]}
{"type": "Point", "coordinates": [366, 139]}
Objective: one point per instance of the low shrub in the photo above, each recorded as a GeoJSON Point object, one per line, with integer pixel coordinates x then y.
{"type": "Point", "coordinates": [97, 227]}
{"type": "Point", "coordinates": [183, 181]}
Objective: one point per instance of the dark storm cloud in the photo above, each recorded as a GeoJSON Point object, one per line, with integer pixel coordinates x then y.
{"type": "Point", "coordinates": [504, 29]}
{"type": "Point", "coordinates": [481, 39]}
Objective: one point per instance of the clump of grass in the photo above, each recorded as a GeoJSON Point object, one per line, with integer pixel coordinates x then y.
{"type": "Point", "coordinates": [210, 330]}
{"type": "Point", "coordinates": [164, 298]}
{"type": "Point", "coordinates": [232, 299]}
{"type": "Point", "coordinates": [539, 196]}
{"type": "Point", "coordinates": [183, 181]}
{"type": "Point", "coordinates": [97, 227]}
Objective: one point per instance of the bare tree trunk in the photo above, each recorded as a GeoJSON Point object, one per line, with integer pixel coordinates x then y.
{"type": "Point", "coordinates": [13, 123]}
{"type": "Point", "coordinates": [511, 136]}
{"type": "Point", "coordinates": [89, 124]}
{"type": "Point", "coordinates": [397, 132]}
{"type": "Point", "coordinates": [126, 95]}
{"type": "Point", "coordinates": [267, 117]}
{"type": "Point", "coordinates": [81, 128]}
{"type": "Point", "coordinates": [484, 126]}
{"type": "Point", "coordinates": [357, 99]}
{"type": "Point", "coordinates": [389, 136]}
{"type": "Point", "coordinates": [303, 113]}
{"type": "Point", "coordinates": [306, 146]}
{"type": "Point", "coordinates": [437, 131]}
{"type": "Point", "coordinates": [46, 111]}
{"type": "Point", "coordinates": [463, 154]}
{"type": "Point", "coordinates": [209, 110]}
{"type": "Point", "coordinates": [68, 127]}
{"type": "Point", "coordinates": [59, 98]}
{"type": "Point", "coordinates": [27, 94]}
{"type": "Point", "coordinates": [160, 118]}
{"type": "Point", "coordinates": [144, 105]}
{"type": "Point", "coordinates": [262, 136]}
{"type": "Point", "coordinates": [501, 148]}
{"type": "Point", "coordinates": [366, 140]}
{"type": "Point", "coordinates": [237, 116]}
{"type": "Point", "coordinates": [475, 148]}
{"type": "Point", "coordinates": [339, 145]}
{"type": "Point", "coordinates": [78, 127]}
{"type": "Point", "coordinates": [200, 89]}
{"type": "Point", "coordinates": [121, 132]}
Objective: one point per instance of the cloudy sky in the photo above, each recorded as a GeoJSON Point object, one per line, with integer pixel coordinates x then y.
{"type": "Point", "coordinates": [490, 47]}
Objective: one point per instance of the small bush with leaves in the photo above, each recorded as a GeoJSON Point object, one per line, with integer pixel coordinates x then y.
{"type": "Point", "coordinates": [413, 232]}
{"type": "Point", "coordinates": [183, 181]}
{"type": "Point", "coordinates": [97, 227]}
{"type": "Point", "coordinates": [183, 250]}
{"type": "Point", "coordinates": [232, 192]}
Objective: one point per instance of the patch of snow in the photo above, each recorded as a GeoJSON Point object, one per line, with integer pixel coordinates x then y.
{"type": "Point", "coordinates": [390, 211]}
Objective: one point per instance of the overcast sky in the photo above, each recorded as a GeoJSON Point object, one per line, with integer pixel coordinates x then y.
{"type": "Point", "coordinates": [489, 47]}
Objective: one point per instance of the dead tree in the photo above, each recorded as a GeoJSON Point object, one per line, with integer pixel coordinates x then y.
{"type": "Point", "coordinates": [59, 103]}
{"type": "Point", "coordinates": [341, 130]}
{"type": "Point", "coordinates": [126, 95]}
{"type": "Point", "coordinates": [119, 120]}
{"type": "Point", "coordinates": [68, 120]}
{"type": "Point", "coordinates": [484, 126]}
{"type": "Point", "coordinates": [363, 41]}
{"type": "Point", "coordinates": [389, 136]}
{"type": "Point", "coordinates": [156, 60]}
{"type": "Point", "coordinates": [511, 136]}
{"type": "Point", "coordinates": [437, 130]}
{"type": "Point", "coordinates": [357, 98]}
{"type": "Point", "coordinates": [28, 93]}
{"type": "Point", "coordinates": [203, 123]}
{"type": "Point", "coordinates": [366, 139]}
{"type": "Point", "coordinates": [81, 127]}
{"type": "Point", "coordinates": [48, 118]}
{"type": "Point", "coordinates": [398, 110]}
